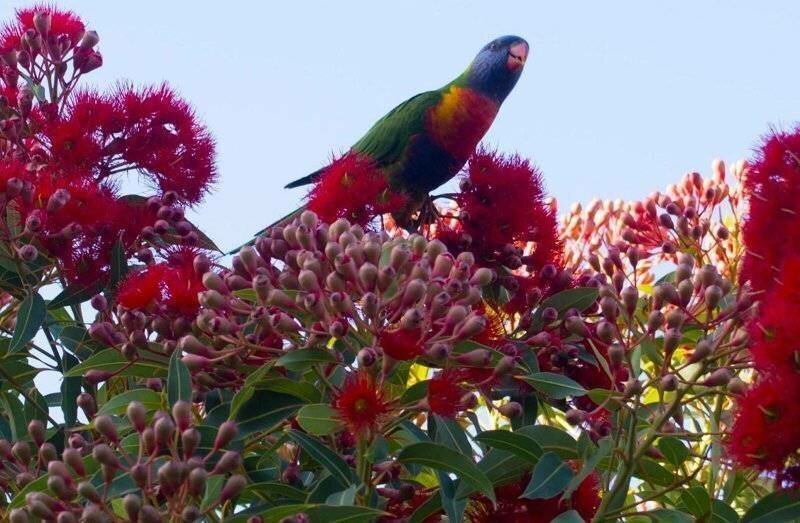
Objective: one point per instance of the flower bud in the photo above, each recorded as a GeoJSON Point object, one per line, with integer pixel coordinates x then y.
{"type": "Point", "coordinates": [505, 366]}
{"type": "Point", "coordinates": [719, 377]}
{"type": "Point", "coordinates": [227, 463]}
{"type": "Point", "coordinates": [197, 481]}
{"type": "Point", "coordinates": [605, 331]}
{"type": "Point", "coordinates": [669, 383]}
{"type": "Point", "coordinates": [549, 315]}
{"type": "Point", "coordinates": [164, 431]}
{"type": "Point", "coordinates": [630, 298]}
{"type": "Point", "coordinates": [414, 291]}
{"type": "Point", "coordinates": [482, 277]}
{"type": "Point", "coordinates": [366, 357]}
{"type": "Point", "coordinates": [105, 426]}
{"type": "Point", "coordinates": [575, 416]}
{"type": "Point", "coordinates": [182, 414]}
{"type": "Point", "coordinates": [86, 402]}
{"type": "Point", "coordinates": [36, 431]}
{"type": "Point", "coordinates": [150, 514]}
{"type": "Point", "coordinates": [103, 454]}
{"type": "Point", "coordinates": [616, 354]}
{"type": "Point", "coordinates": [512, 409]}
{"type": "Point", "coordinates": [398, 256]}
{"type": "Point", "coordinates": [47, 453]}
{"type": "Point", "coordinates": [225, 434]}
{"type": "Point", "coordinates": [22, 451]}
{"type": "Point", "coordinates": [132, 503]}
{"type": "Point", "coordinates": [632, 388]}
{"type": "Point", "coordinates": [671, 340]}
{"type": "Point", "coordinates": [233, 487]}
{"type": "Point", "coordinates": [576, 326]}
{"type": "Point", "coordinates": [701, 351]}
{"type": "Point", "coordinates": [475, 358]}
{"type": "Point", "coordinates": [737, 386]}
{"type": "Point", "coordinates": [713, 295]}
{"type": "Point", "coordinates": [89, 40]}
{"type": "Point", "coordinates": [18, 515]}
{"type": "Point", "coordinates": [470, 327]}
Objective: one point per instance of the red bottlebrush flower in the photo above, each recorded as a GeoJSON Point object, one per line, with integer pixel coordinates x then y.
{"type": "Point", "coordinates": [495, 333]}
{"type": "Point", "coordinates": [401, 510]}
{"type": "Point", "coordinates": [401, 344]}
{"type": "Point", "coordinates": [172, 284]}
{"type": "Point", "coordinates": [492, 181]}
{"type": "Point", "coordinates": [361, 403]}
{"type": "Point", "coordinates": [162, 138]}
{"type": "Point", "coordinates": [62, 23]}
{"type": "Point", "coordinates": [765, 431]}
{"type": "Point", "coordinates": [512, 508]}
{"type": "Point", "coordinates": [353, 187]}
{"type": "Point", "coordinates": [445, 394]}
{"type": "Point", "coordinates": [775, 331]}
{"type": "Point", "coordinates": [773, 187]}
{"type": "Point", "coordinates": [143, 288]}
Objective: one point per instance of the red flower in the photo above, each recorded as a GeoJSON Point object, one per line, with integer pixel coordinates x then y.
{"type": "Point", "coordinates": [162, 138]}
{"type": "Point", "coordinates": [172, 284]}
{"type": "Point", "coordinates": [773, 187]}
{"type": "Point", "coordinates": [445, 394]}
{"type": "Point", "coordinates": [401, 344]}
{"type": "Point", "coordinates": [353, 187]}
{"type": "Point", "coordinates": [360, 403]}
{"type": "Point", "coordinates": [62, 23]}
{"type": "Point", "coordinates": [512, 508]}
{"type": "Point", "coordinates": [143, 288]}
{"type": "Point", "coordinates": [765, 431]}
{"type": "Point", "coordinates": [491, 184]}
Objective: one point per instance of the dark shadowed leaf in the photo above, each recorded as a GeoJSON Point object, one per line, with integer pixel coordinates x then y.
{"type": "Point", "coordinates": [119, 264]}
{"type": "Point", "coordinates": [325, 457]}
{"type": "Point", "coordinates": [264, 410]}
{"type": "Point", "coordinates": [112, 360]}
{"type": "Point", "coordinates": [673, 449]}
{"type": "Point", "coordinates": [301, 359]}
{"type": "Point", "coordinates": [522, 446]}
{"type": "Point", "coordinates": [697, 501]}
{"type": "Point", "coordinates": [74, 294]}
{"type": "Point", "coordinates": [30, 316]}
{"type": "Point", "coordinates": [439, 457]}
{"type": "Point", "coordinates": [179, 382]}
{"type": "Point", "coordinates": [318, 419]}
{"type": "Point", "coordinates": [781, 505]}
{"type": "Point", "coordinates": [555, 385]}
{"type": "Point", "coordinates": [550, 477]}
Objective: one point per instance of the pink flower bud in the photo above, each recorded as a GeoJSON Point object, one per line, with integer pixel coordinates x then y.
{"type": "Point", "coordinates": [475, 358]}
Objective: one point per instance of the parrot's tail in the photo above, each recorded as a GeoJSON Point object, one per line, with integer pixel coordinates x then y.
{"type": "Point", "coordinates": [282, 221]}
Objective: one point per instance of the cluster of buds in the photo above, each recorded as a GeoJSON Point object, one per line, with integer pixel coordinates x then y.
{"type": "Point", "coordinates": [167, 457]}
{"type": "Point", "coordinates": [696, 215]}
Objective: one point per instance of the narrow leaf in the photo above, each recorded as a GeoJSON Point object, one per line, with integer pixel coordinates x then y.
{"type": "Point", "coordinates": [522, 446]}
{"type": "Point", "coordinates": [439, 457]}
{"type": "Point", "coordinates": [324, 456]}
{"type": "Point", "coordinates": [555, 385]}
{"type": "Point", "coordinates": [550, 477]}
{"type": "Point", "coordinates": [179, 382]}
{"type": "Point", "coordinates": [30, 315]}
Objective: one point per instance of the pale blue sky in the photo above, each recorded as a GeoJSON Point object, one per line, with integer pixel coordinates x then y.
{"type": "Point", "coordinates": [617, 99]}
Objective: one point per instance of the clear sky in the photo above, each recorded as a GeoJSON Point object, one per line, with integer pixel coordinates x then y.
{"type": "Point", "coordinates": [617, 99]}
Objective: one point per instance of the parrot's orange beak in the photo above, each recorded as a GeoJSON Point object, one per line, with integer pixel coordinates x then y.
{"type": "Point", "coordinates": [517, 54]}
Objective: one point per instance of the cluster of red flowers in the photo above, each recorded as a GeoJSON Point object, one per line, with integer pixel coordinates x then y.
{"type": "Point", "coordinates": [520, 238]}
{"type": "Point", "coordinates": [765, 431]}
{"type": "Point", "coordinates": [172, 285]}
{"type": "Point", "coordinates": [513, 508]}
{"type": "Point", "coordinates": [361, 403]}
{"type": "Point", "coordinates": [62, 149]}
{"type": "Point", "coordinates": [353, 187]}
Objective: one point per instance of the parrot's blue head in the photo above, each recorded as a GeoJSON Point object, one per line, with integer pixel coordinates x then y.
{"type": "Point", "coordinates": [496, 69]}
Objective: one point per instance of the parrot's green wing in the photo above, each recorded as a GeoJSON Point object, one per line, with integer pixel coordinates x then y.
{"type": "Point", "coordinates": [388, 139]}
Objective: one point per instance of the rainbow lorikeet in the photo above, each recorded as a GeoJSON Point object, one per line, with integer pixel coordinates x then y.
{"type": "Point", "coordinates": [426, 140]}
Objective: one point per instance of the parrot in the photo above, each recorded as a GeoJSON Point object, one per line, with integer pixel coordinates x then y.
{"type": "Point", "coordinates": [426, 140]}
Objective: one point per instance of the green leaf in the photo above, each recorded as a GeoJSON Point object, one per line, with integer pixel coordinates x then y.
{"type": "Point", "coordinates": [697, 501]}
{"type": "Point", "coordinates": [297, 360]}
{"type": "Point", "coordinates": [318, 419]}
{"type": "Point", "coordinates": [324, 456]}
{"type": "Point", "coordinates": [450, 434]}
{"type": "Point", "coordinates": [552, 439]}
{"type": "Point", "coordinates": [665, 515]}
{"type": "Point", "coordinates": [246, 392]}
{"type": "Point", "coordinates": [550, 477]}
{"type": "Point", "coordinates": [213, 489]}
{"type": "Point", "coordinates": [439, 457]}
{"type": "Point", "coordinates": [320, 513]}
{"type": "Point", "coordinates": [179, 382]}
{"type": "Point", "coordinates": [70, 388]}
{"type": "Point", "coordinates": [112, 360]}
{"type": "Point", "coordinates": [580, 298]}
{"type": "Point", "coordinates": [721, 512]}
{"type": "Point", "coordinates": [30, 316]}
{"type": "Point", "coordinates": [273, 489]}
{"type": "Point", "coordinates": [76, 338]}
{"type": "Point", "coordinates": [14, 410]}
{"type": "Point", "coordinates": [781, 505]}
{"type": "Point", "coordinates": [344, 497]}
{"type": "Point", "coordinates": [38, 91]}
{"type": "Point", "coordinates": [522, 446]}
{"type": "Point", "coordinates": [119, 264]}
{"type": "Point", "coordinates": [264, 410]}
{"type": "Point", "coordinates": [74, 294]}
{"type": "Point", "coordinates": [604, 447]}
{"type": "Point", "coordinates": [36, 407]}
{"type": "Point", "coordinates": [119, 403]}
{"type": "Point", "coordinates": [555, 385]}
{"type": "Point", "coordinates": [649, 470]}
{"type": "Point", "coordinates": [570, 516]}
{"type": "Point", "coordinates": [673, 450]}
